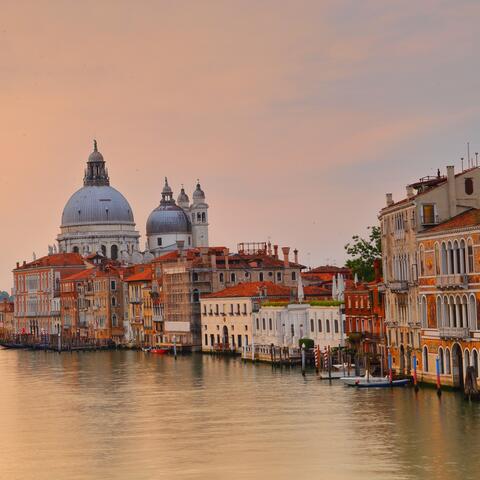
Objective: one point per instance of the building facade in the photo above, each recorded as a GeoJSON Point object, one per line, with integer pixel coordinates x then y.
{"type": "Point", "coordinates": [226, 316]}
{"type": "Point", "coordinates": [429, 201]}
{"type": "Point", "coordinates": [449, 296]}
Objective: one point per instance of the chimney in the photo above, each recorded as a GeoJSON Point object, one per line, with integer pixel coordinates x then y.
{"type": "Point", "coordinates": [24, 263]}
{"type": "Point", "coordinates": [377, 267]}
{"type": "Point", "coordinates": [275, 249]}
{"type": "Point", "coordinates": [286, 261]}
{"type": "Point", "coordinates": [452, 194]}
{"type": "Point", "coordinates": [269, 249]}
{"type": "Point", "coordinates": [389, 199]}
{"type": "Point", "coordinates": [295, 253]}
{"type": "Point", "coordinates": [225, 255]}
{"type": "Point", "coordinates": [18, 264]}
{"type": "Point", "coordinates": [410, 191]}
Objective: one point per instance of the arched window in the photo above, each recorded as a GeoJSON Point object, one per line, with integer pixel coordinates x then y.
{"type": "Point", "coordinates": [466, 355]}
{"type": "Point", "coordinates": [444, 259]}
{"type": "Point", "coordinates": [441, 360]}
{"type": "Point", "coordinates": [114, 301]}
{"type": "Point", "coordinates": [425, 359]}
{"type": "Point", "coordinates": [463, 257]}
{"type": "Point", "coordinates": [473, 312]}
{"type": "Point", "coordinates": [76, 250]}
{"type": "Point", "coordinates": [221, 277]}
{"type": "Point", "coordinates": [328, 326]}
{"type": "Point", "coordinates": [312, 325]}
{"type": "Point", "coordinates": [104, 250]}
{"type": "Point", "coordinates": [450, 258]}
{"type": "Point", "coordinates": [204, 217]}
{"type": "Point", "coordinates": [471, 265]}
{"type": "Point", "coordinates": [475, 361]}
{"type": "Point", "coordinates": [114, 320]}
{"type": "Point", "coordinates": [270, 324]}
{"type": "Point", "coordinates": [319, 325]}
{"type": "Point", "coordinates": [422, 260]}
{"type": "Point", "coordinates": [114, 252]}
{"type": "Point", "coordinates": [437, 260]}
{"type": "Point", "coordinates": [424, 311]}
{"type": "Point", "coordinates": [196, 296]}
{"type": "Point", "coordinates": [448, 369]}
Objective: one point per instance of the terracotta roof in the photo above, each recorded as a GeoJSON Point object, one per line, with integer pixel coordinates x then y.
{"type": "Point", "coordinates": [315, 290]}
{"type": "Point", "coordinates": [252, 289]}
{"type": "Point", "coordinates": [55, 260]}
{"type": "Point", "coordinates": [80, 275]}
{"type": "Point", "coordinates": [145, 275]}
{"type": "Point", "coordinates": [470, 218]}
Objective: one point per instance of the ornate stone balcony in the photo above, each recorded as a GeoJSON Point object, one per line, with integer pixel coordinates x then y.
{"type": "Point", "coordinates": [452, 282]}
{"type": "Point", "coordinates": [454, 332]}
{"type": "Point", "coordinates": [398, 286]}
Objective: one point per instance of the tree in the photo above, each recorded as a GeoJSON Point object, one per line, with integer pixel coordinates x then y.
{"type": "Point", "coordinates": [363, 254]}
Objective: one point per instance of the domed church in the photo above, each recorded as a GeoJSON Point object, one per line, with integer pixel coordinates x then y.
{"type": "Point", "coordinates": [98, 218]}
{"type": "Point", "coordinates": [177, 221]}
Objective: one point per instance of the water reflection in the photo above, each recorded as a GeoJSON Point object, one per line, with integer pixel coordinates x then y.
{"type": "Point", "coordinates": [127, 415]}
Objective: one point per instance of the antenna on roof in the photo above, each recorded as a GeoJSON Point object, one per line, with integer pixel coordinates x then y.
{"type": "Point", "coordinates": [468, 154]}
{"type": "Point", "coordinates": [461, 158]}
{"type": "Point", "coordinates": [476, 159]}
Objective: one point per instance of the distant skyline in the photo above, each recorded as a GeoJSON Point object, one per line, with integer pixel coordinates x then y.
{"type": "Point", "coordinates": [296, 116]}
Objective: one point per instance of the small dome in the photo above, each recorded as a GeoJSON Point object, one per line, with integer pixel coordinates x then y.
{"type": "Point", "coordinates": [183, 198]}
{"type": "Point", "coordinates": [168, 219]}
{"type": "Point", "coordinates": [95, 156]}
{"type": "Point", "coordinates": [97, 205]}
{"type": "Point", "coordinates": [167, 190]}
{"type": "Point", "coordinates": [198, 194]}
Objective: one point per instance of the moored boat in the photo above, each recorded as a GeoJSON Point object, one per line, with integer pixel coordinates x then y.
{"type": "Point", "coordinates": [369, 381]}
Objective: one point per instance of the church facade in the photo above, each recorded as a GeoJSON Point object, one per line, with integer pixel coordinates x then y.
{"type": "Point", "coordinates": [98, 219]}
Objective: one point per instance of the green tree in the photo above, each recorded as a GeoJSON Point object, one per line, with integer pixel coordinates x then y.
{"type": "Point", "coordinates": [363, 252]}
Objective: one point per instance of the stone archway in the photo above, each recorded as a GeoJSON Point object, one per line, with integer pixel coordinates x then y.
{"type": "Point", "coordinates": [225, 335]}
{"type": "Point", "coordinates": [457, 366]}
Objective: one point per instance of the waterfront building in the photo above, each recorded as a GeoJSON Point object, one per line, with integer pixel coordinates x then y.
{"type": "Point", "coordinates": [186, 275]}
{"type": "Point", "coordinates": [6, 317]}
{"type": "Point", "coordinates": [37, 293]}
{"type": "Point", "coordinates": [93, 304]}
{"type": "Point", "coordinates": [365, 315]}
{"type": "Point", "coordinates": [145, 309]}
{"type": "Point", "coordinates": [226, 316]}
{"type": "Point", "coordinates": [98, 218]}
{"type": "Point", "coordinates": [449, 296]}
{"type": "Point", "coordinates": [429, 201]}
{"type": "Point", "coordinates": [284, 325]}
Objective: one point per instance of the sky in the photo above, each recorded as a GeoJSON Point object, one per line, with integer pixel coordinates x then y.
{"type": "Point", "coordinates": [297, 116]}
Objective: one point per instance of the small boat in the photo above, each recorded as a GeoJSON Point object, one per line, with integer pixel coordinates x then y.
{"type": "Point", "coordinates": [369, 381]}
{"type": "Point", "coordinates": [159, 351]}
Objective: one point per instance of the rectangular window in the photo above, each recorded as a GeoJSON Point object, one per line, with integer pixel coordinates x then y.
{"type": "Point", "coordinates": [159, 241]}
{"type": "Point", "coordinates": [206, 339]}
{"type": "Point", "coordinates": [294, 276]}
{"type": "Point", "coordinates": [239, 341]}
{"type": "Point", "coordinates": [428, 214]}
{"type": "Point", "coordinates": [319, 325]}
{"type": "Point", "coordinates": [212, 339]}
{"type": "Point", "coordinates": [312, 326]}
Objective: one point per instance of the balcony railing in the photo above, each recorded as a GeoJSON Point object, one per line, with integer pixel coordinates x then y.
{"type": "Point", "coordinates": [454, 332]}
{"type": "Point", "coordinates": [455, 281]}
{"type": "Point", "coordinates": [398, 286]}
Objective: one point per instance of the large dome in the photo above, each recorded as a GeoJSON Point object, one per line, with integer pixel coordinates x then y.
{"type": "Point", "coordinates": [168, 219]}
{"type": "Point", "coordinates": [97, 205]}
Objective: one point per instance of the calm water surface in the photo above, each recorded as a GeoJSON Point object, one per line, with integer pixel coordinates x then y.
{"type": "Point", "coordinates": [128, 415]}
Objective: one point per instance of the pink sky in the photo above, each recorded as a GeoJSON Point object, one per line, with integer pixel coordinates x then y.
{"type": "Point", "coordinates": [297, 116]}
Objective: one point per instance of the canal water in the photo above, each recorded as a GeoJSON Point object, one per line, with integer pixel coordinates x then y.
{"type": "Point", "coordinates": [130, 415]}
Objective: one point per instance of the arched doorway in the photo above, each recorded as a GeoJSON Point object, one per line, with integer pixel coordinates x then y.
{"type": "Point", "coordinates": [225, 335]}
{"type": "Point", "coordinates": [457, 366]}
{"type": "Point", "coordinates": [402, 359]}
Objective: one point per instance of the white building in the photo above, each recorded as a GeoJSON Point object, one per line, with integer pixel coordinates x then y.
{"type": "Point", "coordinates": [98, 218]}
{"type": "Point", "coordinates": [284, 326]}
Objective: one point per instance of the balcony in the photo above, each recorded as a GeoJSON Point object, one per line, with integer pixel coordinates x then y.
{"type": "Point", "coordinates": [454, 332]}
{"type": "Point", "coordinates": [452, 282]}
{"type": "Point", "coordinates": [398, 286]}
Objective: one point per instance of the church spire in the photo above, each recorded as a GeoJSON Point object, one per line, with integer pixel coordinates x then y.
{"type": "Point", "coordinates": [96, 173]}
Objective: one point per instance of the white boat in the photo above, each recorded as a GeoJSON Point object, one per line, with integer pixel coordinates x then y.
{"type": "Point", "coordinates": [368, 381]}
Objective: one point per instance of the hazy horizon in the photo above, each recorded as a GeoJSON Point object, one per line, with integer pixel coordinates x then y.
{"type": "Point", "coordinates": [297, 117]}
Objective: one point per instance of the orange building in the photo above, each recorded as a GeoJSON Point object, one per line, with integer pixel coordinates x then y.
{"type": "Point", "coordinates": [6, 318]}
{"type": "Point", "coordinates": [449, 294]}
